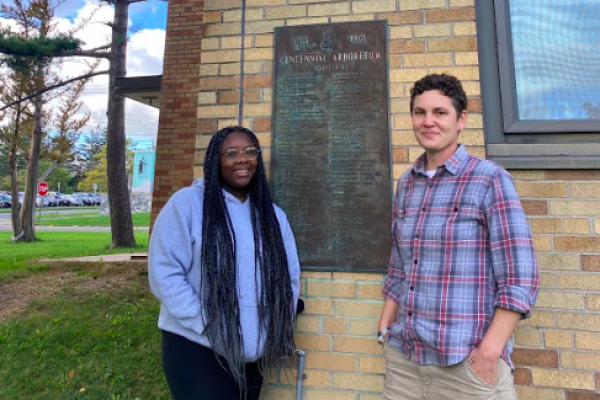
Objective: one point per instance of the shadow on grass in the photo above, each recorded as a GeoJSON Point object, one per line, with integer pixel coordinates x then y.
{"type": "Point", "coordinates": [92, 335]}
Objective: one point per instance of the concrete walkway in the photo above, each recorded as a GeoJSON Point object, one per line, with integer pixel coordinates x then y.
{"type": "Point", "coordinates": [46, 228]}
{"type": "Point", "coordinates": [108, 258]}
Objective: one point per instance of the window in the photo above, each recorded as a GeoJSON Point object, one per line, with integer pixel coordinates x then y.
{"type": "Point", "coordinates": [540, 82]}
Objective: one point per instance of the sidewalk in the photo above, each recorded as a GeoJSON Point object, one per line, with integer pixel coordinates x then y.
{"type": "Point", "coordinates": [108, 258]}
{"type": "Point", "coordinates": [8, 227]}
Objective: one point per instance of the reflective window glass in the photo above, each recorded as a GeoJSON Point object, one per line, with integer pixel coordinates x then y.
{"type": "Point", "coordinates": [556, 59]}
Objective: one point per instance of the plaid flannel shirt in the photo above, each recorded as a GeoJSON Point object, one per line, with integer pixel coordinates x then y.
{"type": "Point", "coordinates": [461, 246]}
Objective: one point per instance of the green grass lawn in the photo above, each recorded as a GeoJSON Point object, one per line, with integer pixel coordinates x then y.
{"type": "Point", "coordinates": [85, 343]}
{"type": "Point", "coordinates": [94, 337]}
{"type": "Point", "coordinates": [14, 257]}
{"type": "Point", "coordinates": [139, 219]}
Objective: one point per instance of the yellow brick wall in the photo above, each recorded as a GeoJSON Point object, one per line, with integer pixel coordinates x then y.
{"type": "Point", "coordinates": [425, 37]}
{"type": "Point", "coordinates": [563, 207]}
{"type": "Point", "coordinates": [558, 355]}
{"type": "Point", "coordinates": [343, 361]}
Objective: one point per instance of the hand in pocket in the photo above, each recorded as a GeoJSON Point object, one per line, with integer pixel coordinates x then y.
{"type": "Point", "coordinates": [484, 367]}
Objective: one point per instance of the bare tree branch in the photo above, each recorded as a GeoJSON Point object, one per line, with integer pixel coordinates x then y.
{"type": "Point", "coordinates": [46, 89]}
{"type": "Point", "coordinates": [105, 47]}
{"type": "Point", "coordinates": [95, 52]}
{"type": "Point", "coordinates": [83, 21]}
{"type": "Point", "coordinates": [85, 53]}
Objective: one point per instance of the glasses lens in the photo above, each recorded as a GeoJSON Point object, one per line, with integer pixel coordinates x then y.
{"type": "Point", "coordinates": [232, 154]}
{"type": "Point", "coordinates": [251, 153]}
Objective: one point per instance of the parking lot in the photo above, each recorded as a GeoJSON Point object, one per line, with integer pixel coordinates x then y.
{"type": "Point", "coordinates": [54, 199]}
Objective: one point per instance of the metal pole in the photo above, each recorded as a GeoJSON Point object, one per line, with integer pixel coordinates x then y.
{"type": "Point", "coordinates": [301, 375]}
{"type": "Point", "coordinates": [241, 88]}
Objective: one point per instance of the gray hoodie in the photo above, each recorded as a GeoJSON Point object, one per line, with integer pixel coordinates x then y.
{"type": "Point", "coordinates": [174, 266]}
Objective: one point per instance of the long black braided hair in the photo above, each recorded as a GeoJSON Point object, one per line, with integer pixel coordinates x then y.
{"type": "Point", "coordinates": [219, 291]}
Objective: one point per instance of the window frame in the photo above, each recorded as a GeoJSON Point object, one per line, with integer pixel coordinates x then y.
{"type": "Point", "coordinates": [546, 144]}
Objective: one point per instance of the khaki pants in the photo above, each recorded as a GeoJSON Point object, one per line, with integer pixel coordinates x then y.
{"type": "Point", "coordinates": [406, 380]}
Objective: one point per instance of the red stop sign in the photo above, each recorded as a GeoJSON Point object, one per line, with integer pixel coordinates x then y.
{"type": "Point", "coordinates": [42, 188]}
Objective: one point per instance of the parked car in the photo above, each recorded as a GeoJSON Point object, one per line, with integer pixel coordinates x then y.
{"type": "Point", "coordinates": [42, 201]}
{"type": "Point", "coordinates": [2, 203]}
{"type": "Point", "coordinates": [56, 200]}
{"type": "Point", "coordinates": [84, 201]}
{"type": "Point", "coordinates": [97, 199]}
{"type": "Point", "coordinates": [85, 198]}
{"type": "Point", "coordinates": [53, 201]}
{"type": "Point", "coordinates": [72, 200]}
{"type": "Point", "coordinates": [6, 200]}
{"type": "Point", "coordinates": [62, 200]}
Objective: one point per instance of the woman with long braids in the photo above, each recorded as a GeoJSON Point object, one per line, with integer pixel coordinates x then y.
{"type": "Point", "coordinates": [224, 266]}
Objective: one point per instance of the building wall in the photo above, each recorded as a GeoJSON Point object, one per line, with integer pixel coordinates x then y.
{"type": "Point", "coordinates": [177, 125]}
{"type": "Point", "coordinates": [558, 355]}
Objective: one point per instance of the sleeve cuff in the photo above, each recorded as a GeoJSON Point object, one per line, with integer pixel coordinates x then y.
{"type": "Point", "coordinates": [514, 299]}
{"type": "Point", "coordinates": [389, 289]}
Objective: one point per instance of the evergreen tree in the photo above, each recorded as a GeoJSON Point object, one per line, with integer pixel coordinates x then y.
{"type": "Point", "coordinates": [116, 53]}
{"type": "Point", "coordinates": [27, 54]}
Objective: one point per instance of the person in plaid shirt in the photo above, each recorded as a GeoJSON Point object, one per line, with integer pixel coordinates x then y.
{"type": "Point", "coordinates": [462, 269]}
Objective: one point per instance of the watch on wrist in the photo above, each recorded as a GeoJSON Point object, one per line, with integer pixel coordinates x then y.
{"type": "Point", "coordinates": [382, 335]}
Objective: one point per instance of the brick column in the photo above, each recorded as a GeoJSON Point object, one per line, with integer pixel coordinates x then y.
{"type": "Point", "coordinates": [178, 102]}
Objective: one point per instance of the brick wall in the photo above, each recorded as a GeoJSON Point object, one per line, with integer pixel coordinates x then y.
{"type": "Point", "coordinates": [177, 126]}
{"type": "Point", "coordinates": [337, 329]}
{"type": "Point", "coordinates": [558, 355]}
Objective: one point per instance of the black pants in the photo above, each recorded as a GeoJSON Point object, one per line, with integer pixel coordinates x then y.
{"type": "Point", "coordinates": [193, 373]}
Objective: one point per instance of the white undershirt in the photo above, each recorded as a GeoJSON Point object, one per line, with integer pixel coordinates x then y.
{"type": "Point", "coordinates": [430, 174]}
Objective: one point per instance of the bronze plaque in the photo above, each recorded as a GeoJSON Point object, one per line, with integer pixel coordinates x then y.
{"type": "Point", "coordinates": [331, 152]}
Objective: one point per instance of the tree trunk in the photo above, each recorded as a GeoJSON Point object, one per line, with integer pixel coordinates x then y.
{"type": "Point", "coordinates": [15, 210]}
{"type": "Point", "coordinates": [121, 222]}
{"type": "Point", "coordinates": [14, 193]}
{"type": "Point", "coordinates": [28, 210]}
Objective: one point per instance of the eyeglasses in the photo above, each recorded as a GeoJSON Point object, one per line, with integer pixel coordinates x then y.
{"type": "Point", "coordinates": [250, 153]}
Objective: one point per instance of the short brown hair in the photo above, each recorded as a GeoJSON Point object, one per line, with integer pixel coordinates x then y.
{"type": "Point", "coordinates": [447, 84]}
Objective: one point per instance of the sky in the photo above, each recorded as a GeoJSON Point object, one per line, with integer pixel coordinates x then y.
{"type": "Point", "coordinates": [145, 49]}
